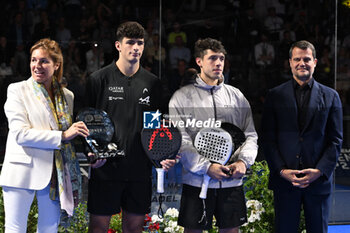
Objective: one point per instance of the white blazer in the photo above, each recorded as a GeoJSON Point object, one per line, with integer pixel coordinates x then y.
{"type": "Point", "coordinates": [31, 139]}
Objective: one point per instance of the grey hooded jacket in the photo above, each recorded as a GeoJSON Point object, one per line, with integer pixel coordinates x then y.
{"type": "Point", "coordinates": [199, 105]}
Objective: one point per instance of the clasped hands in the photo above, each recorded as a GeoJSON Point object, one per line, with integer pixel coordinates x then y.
{"type": "Point", "coordinates": [235, 170]}
{"type": "Point", "coordinates": [301, 178]}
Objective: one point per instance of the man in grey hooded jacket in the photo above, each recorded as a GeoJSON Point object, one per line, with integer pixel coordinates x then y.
{"type": "Point", "coordinates": [210, 101]}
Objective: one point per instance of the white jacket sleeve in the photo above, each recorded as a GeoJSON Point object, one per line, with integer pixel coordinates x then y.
{"type": "Point", "coordinates": [28, 120]}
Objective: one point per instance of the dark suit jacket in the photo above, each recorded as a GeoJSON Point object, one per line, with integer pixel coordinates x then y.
{"type": "Point", "coordinates": [317, 145]}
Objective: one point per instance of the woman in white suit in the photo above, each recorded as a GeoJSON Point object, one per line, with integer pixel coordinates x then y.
{"type": "Point", "coordinates": [40, 159]}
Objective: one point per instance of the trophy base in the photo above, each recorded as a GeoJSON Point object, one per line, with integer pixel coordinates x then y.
{"type": "Point", "coordinates": [105, 155]}
{"type": "Point", "coordinates": [103, 152]}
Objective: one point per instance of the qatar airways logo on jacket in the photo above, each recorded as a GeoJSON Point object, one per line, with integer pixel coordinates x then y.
{"type": "Point", "coordinates": [119, 93]}
{"type": "Point", "coordinates": [116, 89]}
{"type": "Point", "coordinates": [152, 120]}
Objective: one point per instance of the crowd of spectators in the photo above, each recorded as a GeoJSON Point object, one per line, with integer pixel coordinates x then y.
{"type": "Point", "coordinates": [256, 33]}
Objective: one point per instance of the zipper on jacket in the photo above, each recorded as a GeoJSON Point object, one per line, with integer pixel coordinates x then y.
{"type": "Point", "coordinates": [212, 95]}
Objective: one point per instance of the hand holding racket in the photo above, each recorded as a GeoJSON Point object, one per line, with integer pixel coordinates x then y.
{"type": "Point", "coordinates": [238, 138]}
{"type": "Point", "coordinates": [214, 144]}
{"type": "Point", "coordinates": [161, 144]}
{"type": "Point", "coordinates": [217, 145]}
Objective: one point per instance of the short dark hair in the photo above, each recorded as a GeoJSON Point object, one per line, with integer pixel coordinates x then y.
{"type": "Point", "coordinates": [130, 29]}
{"type": "Point", "coordinates": [202, 45]}
{"type": "Point", "coordinates": [304, 45]}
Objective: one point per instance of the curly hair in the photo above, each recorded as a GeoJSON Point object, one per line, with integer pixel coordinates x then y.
{"type": "Point", "coordinates": [130, 29]}
{"type": "Point", "coordinates": [202, 45]}
{"type": "Point", "coordinates": [55, 53]}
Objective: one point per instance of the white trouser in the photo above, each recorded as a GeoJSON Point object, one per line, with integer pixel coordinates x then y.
{"type": "Point", "coordinates": [17, 204]}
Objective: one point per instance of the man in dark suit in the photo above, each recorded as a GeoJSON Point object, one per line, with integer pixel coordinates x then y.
{"type": "Point", "coordinates": [301, 138]}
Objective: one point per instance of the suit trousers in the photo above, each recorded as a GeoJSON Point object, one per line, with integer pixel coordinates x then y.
{"type": "Point", "coordinates": [288, 204]}
{"type": "Point", "coordinates": [17, 204]}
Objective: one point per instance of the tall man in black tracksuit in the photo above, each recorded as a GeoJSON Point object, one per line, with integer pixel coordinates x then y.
{"type": "Point", "coordinates": [124, 90]}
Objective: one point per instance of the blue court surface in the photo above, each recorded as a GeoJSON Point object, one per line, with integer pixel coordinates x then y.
{"type": "Point", "coordinates": [339, 229]}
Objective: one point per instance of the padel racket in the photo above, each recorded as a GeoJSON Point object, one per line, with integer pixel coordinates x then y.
{"type": "Point", "coordinates": [237, 135]}
{"type": "Point", "coordinates": [217, 145]}
{"type": "Point", "coordinates": [160, 144]}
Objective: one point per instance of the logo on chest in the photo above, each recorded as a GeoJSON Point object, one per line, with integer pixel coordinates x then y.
{"type": "Point", "coordinates": [145, 98]}
{"type": "Point", "coordinates": [116, 93]}
{"type": "Point", "coordinates": [116, 89]}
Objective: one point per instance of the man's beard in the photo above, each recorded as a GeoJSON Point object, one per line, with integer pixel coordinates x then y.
{"type": "Point", "coordinates": [304, 77]}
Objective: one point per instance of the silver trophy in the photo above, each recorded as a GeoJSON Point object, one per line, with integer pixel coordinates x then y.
{"type": "Point", "coordinates": [101, 130]}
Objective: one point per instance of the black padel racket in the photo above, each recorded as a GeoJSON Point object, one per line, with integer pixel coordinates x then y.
{"type": "Point", "coordinates": [237, 135]}
{"type": "Point", "coordinates": [160, 144]}
{"type": "Point", "coordinates": [217, 145]}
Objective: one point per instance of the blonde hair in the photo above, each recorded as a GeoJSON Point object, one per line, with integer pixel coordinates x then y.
{"type": "Point", "coordinates": [55, 53]}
